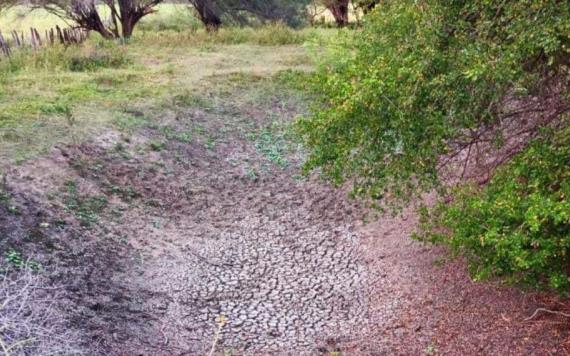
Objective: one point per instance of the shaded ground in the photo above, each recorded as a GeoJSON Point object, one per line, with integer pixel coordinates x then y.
{"type": "Point", "coordinates": [159, 231]}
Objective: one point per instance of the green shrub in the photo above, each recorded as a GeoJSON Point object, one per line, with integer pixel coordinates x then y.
{"type": "Point", "coordinates": [400, 94]}
{"type": "Point", "coordinates": [92, 58]}
{"type": "Point", "coordinates": [517, 226]}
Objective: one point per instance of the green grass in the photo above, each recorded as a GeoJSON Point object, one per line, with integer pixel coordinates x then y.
{"type": "Point", "coordinates": [273, 145]}
{"type": "Point", "coordinates": [67, 94]}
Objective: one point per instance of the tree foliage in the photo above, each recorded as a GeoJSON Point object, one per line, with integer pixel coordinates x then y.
{"type": "Point", "coordinates": [518, 225]}
{"type": "Point", "coordinates": [215, 12]}
{"type": "Point", "coordinates": [432, 90]}
{"type": "Point", "coordinates": [5, 4]}
{"type": "Point", "coordinates": [124, 14]}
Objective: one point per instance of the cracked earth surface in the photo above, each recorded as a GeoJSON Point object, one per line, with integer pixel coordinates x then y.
{"type": "Point", "coordinates": [278, 257]}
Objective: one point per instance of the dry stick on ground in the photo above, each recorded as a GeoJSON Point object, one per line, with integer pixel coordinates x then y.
{"type": "Point", "coordinates": [30, 320]}
{"type": "Point", "coordinates": [546, 311]}
{"type": "Point", "coordinates": [221, 323]}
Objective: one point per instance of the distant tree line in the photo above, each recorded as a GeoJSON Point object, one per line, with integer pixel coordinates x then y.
{"type": "Point", "coordinates": [118, 18]}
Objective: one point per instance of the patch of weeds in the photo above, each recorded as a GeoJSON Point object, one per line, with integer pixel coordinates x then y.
{"type": "Point", "coordinates": [184, 137]}
{"type": "Point", "coordinates": [117, 212]}
{"type": "Point", "coordinates": [34, 265]}
{"type": "Point", "coordinates": [97, 58]}
{"type": "Point", "coordinates": [86, 209]}
{"type": "Point", "coordinates": [156, 146]}
{"type": "Point", "coordinates": [252, 174]}
{"type": "Point", "coordinates": [122, 151]}
{"type": "Point", "coordinates": [171, 134]}
{"type": "Point", "coordinates": [199, 129]}
{"type": "Point", "coordinates": [153, 203]}
{"type": "Point", "coordinates": [298, 177]}
{"type": "Point", "coordinates": [188, 99]}
{"type": "Point", "coordinates": [128, 193]}
{"type": "Point", "coordinates": [170, 69]}
{"type": "Point", "coordinates": [6, 200]}
{"type": "Point", "coordinates": [272, 143]}
{"type": "Point", "coordinates": [130, 119]}
{"type": "Point", "coordinates": [431, 349]}
{"type": "Point", "coordinates": [210, 143]}
{"type": "Point", "coordinates": [58, 108]}
{"type": "Point", "coordinates": [97, 167]}
{"type": "Point", "coordinates": [14, 258]}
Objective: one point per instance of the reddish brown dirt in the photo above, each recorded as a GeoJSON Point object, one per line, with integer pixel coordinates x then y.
{"type": "Point", "coordinates": [442, 311]}
{"type": "Point", "coordinates": [200, 222]}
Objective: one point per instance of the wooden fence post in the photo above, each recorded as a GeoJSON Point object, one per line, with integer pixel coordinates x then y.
{"type": "Point", "coordinates": [4, 46]}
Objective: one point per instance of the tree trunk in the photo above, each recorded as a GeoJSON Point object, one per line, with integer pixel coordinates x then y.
{"type": "Point", "coordinates": [207, 14]}
{"type": "Point", "coordinates": [130, 14]}
{"type": "Point", "coordinates": [128, 28]}
{"type": "Point", "coordinates": [86, 16]}
{"type": "Point", "coordinates": [339, 9]}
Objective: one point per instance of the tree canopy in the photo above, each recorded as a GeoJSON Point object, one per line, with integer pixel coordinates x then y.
{"type": "Point", "coordinates": [124, 14]}
{"type": "Point", "coordinates": [432, 93]}
{"type": "Point", "coordinates": [214, 12]}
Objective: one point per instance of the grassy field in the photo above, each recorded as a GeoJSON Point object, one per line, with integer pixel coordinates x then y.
{"type": "Point", "coordinates": [63, 94]}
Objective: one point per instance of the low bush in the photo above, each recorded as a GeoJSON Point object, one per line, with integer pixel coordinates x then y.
{"type": "Point", "coordinates": [93, 59]}
{"type": "Point", "coordinates": [268, 35]}
{"type": "Point", "coordinates": [518, 226]}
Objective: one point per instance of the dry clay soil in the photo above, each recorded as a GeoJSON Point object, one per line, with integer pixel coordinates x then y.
{"type": "Point", "coordinates": [208, 236]}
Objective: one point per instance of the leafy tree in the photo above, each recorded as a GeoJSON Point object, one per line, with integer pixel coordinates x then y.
{"type": "Point", "coordinates": [209, 13]}
{"type": "Point", "coordinates": [366, 5]}
{"type": "Point", "coordinates": [214, 12]}
{"type": "Point", "coordinates": [6, 4]}
{"type": "Point", "coordinates": [517, 226]}
{"type": "Point", "coordinates": [124, 14]}
{"type": "Point", "coordinates": [432, 94]}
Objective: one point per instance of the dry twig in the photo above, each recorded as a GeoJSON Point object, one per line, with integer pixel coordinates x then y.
{"type": "Point", "coordinates": [546, 311]}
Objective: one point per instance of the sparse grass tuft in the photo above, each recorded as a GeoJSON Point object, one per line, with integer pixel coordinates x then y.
{"type": "Point", "coordinates": [267, 35]}
{"type": "Point", "coordinates": [86, 209]}
{"type": "Point", "coordinates": [272, 143]}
